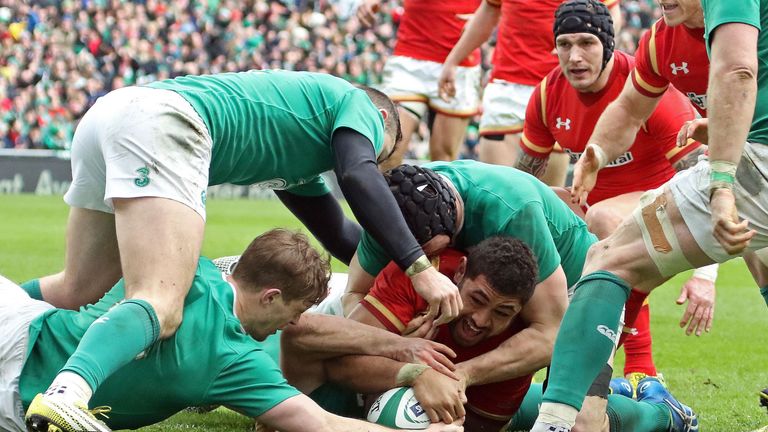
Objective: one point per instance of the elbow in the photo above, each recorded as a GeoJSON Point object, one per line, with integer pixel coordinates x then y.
{"type": "Point", "coordinates": [737, 70]}
{"type": "Point", "coordinates": [351, 179]}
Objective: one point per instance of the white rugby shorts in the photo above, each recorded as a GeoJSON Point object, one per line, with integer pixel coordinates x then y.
{"type": "Point", "coordinates": [140, 142]}
{"type": "Point", "coordinates": [413, 84]}
{"type": "Point", "coordinates": [504, 105]}
{"type": "Point", "coordinates": [17, 310]}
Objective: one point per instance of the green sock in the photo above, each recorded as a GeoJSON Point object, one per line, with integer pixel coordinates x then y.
{"type": "Point", "coordinates": [113, 341]}
{"type": "Point", "coordinates": [32, 287]}
{"type": "Point", "coordinates": [525, 416]}
{"type": "Point", "coordinates": [586, 337]}
{"type": "Point", "coordinates": [629, 415]}
{"type": "Point", "coordinates": [764, 292]}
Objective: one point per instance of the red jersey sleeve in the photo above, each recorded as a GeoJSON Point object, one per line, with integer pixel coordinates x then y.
{"type": "Point", "coordinates": [392, 299]}
{"type": "Point", "coordinates": [494, 3]}
{"type": "Point", "coordinates": [673, 111]}
{"type": "Point", "coordinates": [537, 140]}
{"type": "Point", "coordinates": [646, 76]}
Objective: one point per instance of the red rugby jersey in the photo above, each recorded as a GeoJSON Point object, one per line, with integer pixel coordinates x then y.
{"type": "Point", "coordinates": [394, 302]}
{"type": "Point", "coordinates": [525, 42]}
{"type": "Point", "coordinates": [559, 113]}
{"type": "Point", "coordinates": [676, 55]}
{"type": "Point", "coordinates": [430, 28]}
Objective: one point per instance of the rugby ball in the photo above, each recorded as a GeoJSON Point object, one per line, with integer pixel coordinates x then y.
{"type": "Point", "coordinates": [398, 409]}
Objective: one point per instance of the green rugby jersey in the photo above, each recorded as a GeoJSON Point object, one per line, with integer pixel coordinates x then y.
{"type": "Point", "coordinates": [754, 13]}
{"type": "Point", "coordinates": [210, 360]}
{"type": "Point", "coordinates": [501, 200]}
{"type": "Point", "coordinates": [274, 128]}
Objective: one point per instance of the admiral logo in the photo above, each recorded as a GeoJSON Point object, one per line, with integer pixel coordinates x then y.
{"type": "Point", "coordinates": [700, 100]}
{"type": "Point", "coordinates": [566, 124]}
{"type": "Point", "coordinates": [676, 68]}
{"type": "Point", "coordinates": [619, 161]}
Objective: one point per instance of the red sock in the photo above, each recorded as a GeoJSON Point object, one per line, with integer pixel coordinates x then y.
{"type": "Point", "coordinates": [632, 308]}
{"type": "Point", "coordinates": [637, 346]}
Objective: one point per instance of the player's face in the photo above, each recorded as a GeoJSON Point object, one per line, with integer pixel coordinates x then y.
{"type": "Point", "coordinates": [676, 12]}
{"type": "Point", "coordinates": [274, 316]}
{"type": "Point", "coordinates": [581, 59]}
{"type": "Point", "coordinates": [486, 313]}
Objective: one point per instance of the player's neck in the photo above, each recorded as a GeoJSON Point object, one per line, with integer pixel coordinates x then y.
{"type": "Point", "coordinates": [696, 21]}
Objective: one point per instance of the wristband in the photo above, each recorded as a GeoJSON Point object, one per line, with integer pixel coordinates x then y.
{"type": "Point", "coordinates": [707, 272]}
{"type": "Point", "coordinates": [722, 175]}
{"type": "Point", "coordinates": [418, 266]}
{"type": "Point", "coordinates": [408, 374]}
{"type": "Point", "coordinates": [602, 158]}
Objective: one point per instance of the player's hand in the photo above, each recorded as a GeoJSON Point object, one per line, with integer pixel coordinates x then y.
{"type": "Point", "coordinates": [433, 354]}
{"type": "Point", "coordinates": [441, 397]}
{"type": "Point", "coordinates": [441, 294]}
{"type": "Point", "coordinates": [367, 11]}
{"type": "Point", "coordinates": [696, 129]}
{"type": "Point", "coordinates": [584, 176]}
{"type": "Point", "coordinates": [420, 327]}
{"type": "Point", "coordinates": [733, 236]}
{"type": "Point", "coordinates": [446, 84]}
{"type": "Point", "coordinates": [698, 315]}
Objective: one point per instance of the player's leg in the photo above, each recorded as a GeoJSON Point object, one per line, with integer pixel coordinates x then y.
{"type": "Point", "coordinates": [92, 261]}
{"type": "Point", "coordinates": [757, 262]}
{"type": "Point", "coordinates": [504, 106]}
{"type": "Point", "coordinates": [452, 118]}
{"type": "Point", "coordinates": [602, 219]}
{"type": "Point", "coordinates": [156, 187]}
{"type": "Point", "coordinates": [446, 137]}
{"type": "Point", "coordinates": [404, 82]}
{"type": "Point", "coordinates": [499, 149]}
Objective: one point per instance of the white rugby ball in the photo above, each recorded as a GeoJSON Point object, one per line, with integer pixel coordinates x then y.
{"type": "Point", "coordinates": [398, 409]}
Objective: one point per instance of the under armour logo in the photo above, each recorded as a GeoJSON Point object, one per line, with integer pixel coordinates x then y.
{"type": "Point", "coordinates": [566, 124]}
{"type": "Point", "coordinates": [676, 68]}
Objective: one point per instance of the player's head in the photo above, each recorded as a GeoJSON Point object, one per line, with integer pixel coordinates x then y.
{"type": "Point", "coordinates": [387, 108]}
{"type": "Point", "coordinates": [428, 204]}
{"type": "Point", "coordinates": [278, 277]}
{"type": "Point", "coordinates": [676, 12]}
{"type": "Point", "coordinates": [495, 280]}
{"type": "Point", "coordinates": [584, 42]}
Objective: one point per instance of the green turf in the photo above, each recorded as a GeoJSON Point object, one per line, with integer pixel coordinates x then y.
{"type": "Point", "coordinates": [718, 374]}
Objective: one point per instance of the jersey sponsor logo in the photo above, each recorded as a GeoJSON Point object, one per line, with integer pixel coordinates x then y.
{"type": "Point", "coordinates": [605, 331]}
{"type": "Point", "coordinates": [276, 183]}
{"type": "Point", "coordinates": [563, 123]}
{"type": "Point", "coordinates": [619, 161]}
{"type": "Point", "coordinates": [683, 68]}
{"type": "Point", "coordinates": [700, 100]}
{"type": "Point", "coordinates": [143, 179]}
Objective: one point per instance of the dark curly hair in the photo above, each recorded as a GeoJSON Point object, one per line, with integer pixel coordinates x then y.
{"type": "Point", "coordinates": [507, 264]}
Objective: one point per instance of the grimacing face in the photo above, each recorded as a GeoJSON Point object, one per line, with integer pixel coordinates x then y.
{"type": "Point", "coordinates": [581, 59]}
{"type": "Point", "coordinates": [485, 313]}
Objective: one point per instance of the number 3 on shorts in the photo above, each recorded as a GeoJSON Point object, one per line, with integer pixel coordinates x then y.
{"type": "Point", "coordinates": [143, 178]}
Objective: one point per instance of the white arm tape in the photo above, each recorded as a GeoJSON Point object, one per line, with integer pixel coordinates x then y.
{"type": "Point", "coordinates": [707, 272]}
{"type": "Point", "coordinates": [602, 158]}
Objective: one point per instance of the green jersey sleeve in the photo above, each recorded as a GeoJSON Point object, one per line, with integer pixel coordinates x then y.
{"type": "Point", "coordinates": [314, 187]}
{"type": "Point", "coordinates": [371, 255]}
{"type": "Point", "coordinates": [719, 12]}
{"type": "Point", "coordinates": [530, 225]}
{"type": "Point", "coordinates": [357, 112]}
{"type": "Point", "coordinates": [251, 385]}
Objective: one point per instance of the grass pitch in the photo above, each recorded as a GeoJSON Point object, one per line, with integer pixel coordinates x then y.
{"type": "Point", "coordinates": [718, 374]}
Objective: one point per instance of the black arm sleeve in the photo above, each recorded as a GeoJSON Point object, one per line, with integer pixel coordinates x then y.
{"type": "Point", "coordinates": [324, 218]}
{"type": "Point", "coordinates": [369, 197]}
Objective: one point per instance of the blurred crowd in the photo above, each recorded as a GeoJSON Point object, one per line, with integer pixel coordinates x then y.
{"type": "Point", "coordinates": [59, 56]}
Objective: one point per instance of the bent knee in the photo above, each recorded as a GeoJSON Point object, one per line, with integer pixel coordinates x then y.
{"type": "Point", "coordinates": [169, 314]}
{"type": "Point", "coordinates": [602, 221]}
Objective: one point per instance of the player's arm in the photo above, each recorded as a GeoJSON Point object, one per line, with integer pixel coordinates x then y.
{"type": "Point", "coordinates": [614, 7]}
{"type": "Point", "coordinates": [374, 206]}
{"type": "Point", "coordinates": [537, 141]}
{"type": "Point", "coordinates": [529, 350]}
{"type": "Point", "coordinates": [300, 413]}
{"type": "Point", "coordinates": [338, 234]}
{"type": "Point", "coordinates": [476, 32]}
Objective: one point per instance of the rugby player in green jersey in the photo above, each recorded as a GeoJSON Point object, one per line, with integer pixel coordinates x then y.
{"type": "Point", "coordinates": [213, 358]}
{"type": "Point", "coordinates": [142, 158]}
{"type": "Point", "coordinates": [709, 213]}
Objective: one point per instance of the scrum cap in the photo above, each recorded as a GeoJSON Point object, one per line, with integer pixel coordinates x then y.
{"type": "Point", "coordinates": [586, 16]}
